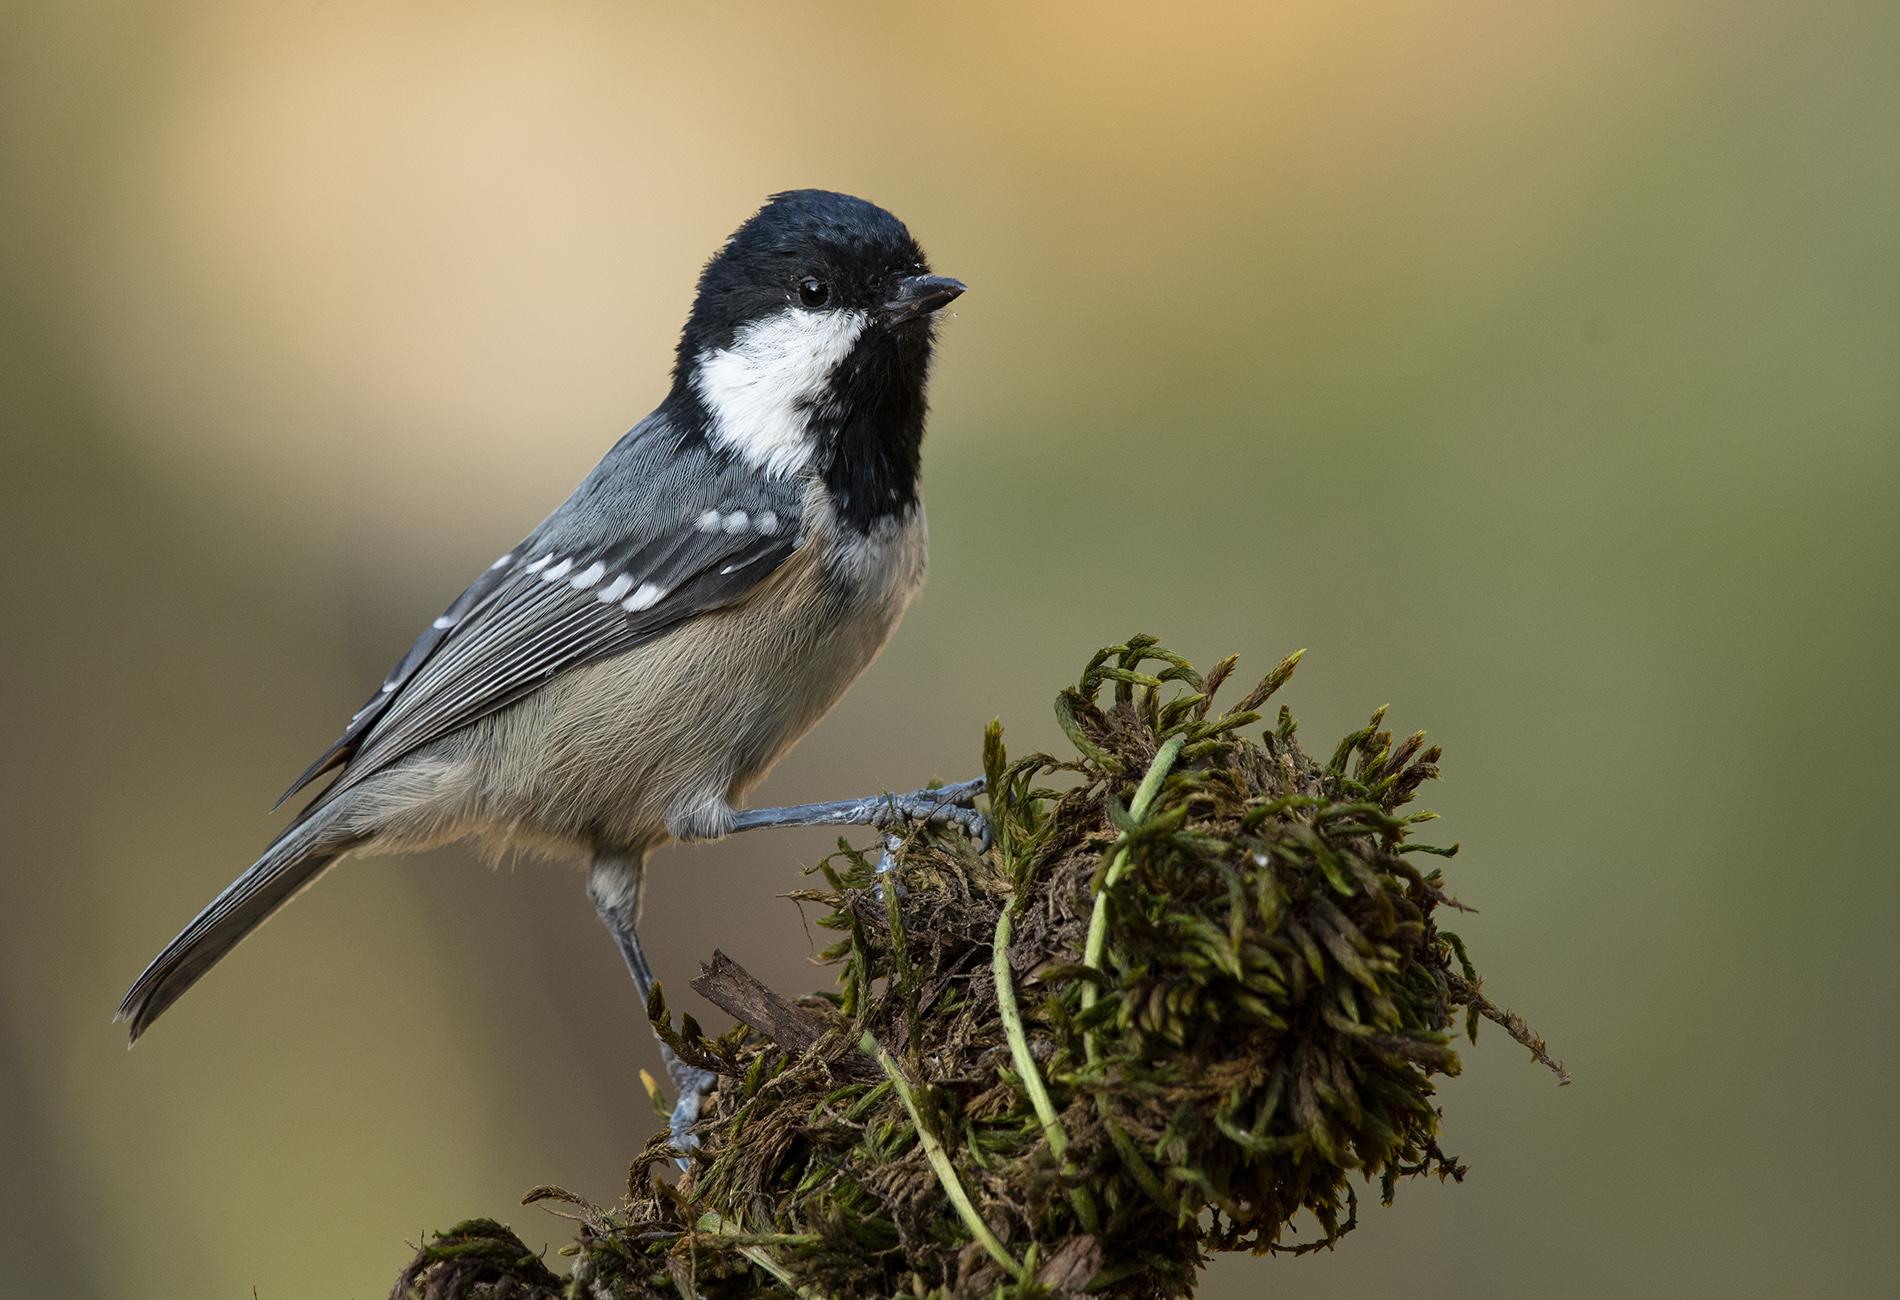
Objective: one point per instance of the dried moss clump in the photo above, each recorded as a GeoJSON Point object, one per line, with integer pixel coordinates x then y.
{"type": "Point", "coordinates": [1221, 995]}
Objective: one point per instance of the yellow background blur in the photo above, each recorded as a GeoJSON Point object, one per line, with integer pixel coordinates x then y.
{"type": "Point", "coordinates": [1535, 365]}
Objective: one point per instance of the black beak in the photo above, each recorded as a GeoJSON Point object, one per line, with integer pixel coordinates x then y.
{"type": "Point", "coordinates": [918, 296]}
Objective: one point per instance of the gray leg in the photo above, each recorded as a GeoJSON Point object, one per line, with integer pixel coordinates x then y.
{"type": "Point", "coordinates": [951, 803]}
{"type": "Point", "coordinates": [615, 885]}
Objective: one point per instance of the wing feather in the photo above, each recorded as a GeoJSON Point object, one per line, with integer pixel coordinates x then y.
{"type": "Point", "coordinates": [690, 540]}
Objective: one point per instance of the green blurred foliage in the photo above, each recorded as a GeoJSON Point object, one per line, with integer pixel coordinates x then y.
{"type": "Point", "coordinates": [1547, 357]}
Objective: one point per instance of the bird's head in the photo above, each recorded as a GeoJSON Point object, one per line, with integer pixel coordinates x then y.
{"type": "Point", "coordinates": [809, 347]}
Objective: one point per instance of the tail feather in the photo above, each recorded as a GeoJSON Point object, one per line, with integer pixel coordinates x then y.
{"type": "Point", "coordinates": [299, 856]}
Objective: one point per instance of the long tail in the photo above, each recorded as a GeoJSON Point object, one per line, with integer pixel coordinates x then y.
{"type": "Point", "coordinates": [293, 863]}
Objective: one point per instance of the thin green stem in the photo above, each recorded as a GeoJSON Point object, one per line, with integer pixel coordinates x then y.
{"type": "Point", "coordinates": [750, 1244]}
{"type": "Point", "coordinates": [940, 1162]}
{"type": "Point", "coordinates": [1118, 863]}
{"type": "Point", "coordinates": [1031, 1076]}
{"type": "Point", "coordinates": [1019, 1041]}
{"type": "Point", "coordinates": [718, 1223]}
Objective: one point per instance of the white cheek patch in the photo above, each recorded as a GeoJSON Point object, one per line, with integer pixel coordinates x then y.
{"type": "Point", "coordinates": [759, 389]}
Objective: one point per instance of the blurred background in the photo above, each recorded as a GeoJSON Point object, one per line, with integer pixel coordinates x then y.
{"type": "Point", "coordinates": [1537, 367]}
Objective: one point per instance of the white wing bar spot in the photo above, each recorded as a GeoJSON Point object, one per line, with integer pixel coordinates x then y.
{"type": "Point", "coordinates": [647, 597]}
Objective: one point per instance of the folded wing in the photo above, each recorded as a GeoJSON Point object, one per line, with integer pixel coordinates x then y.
{"type": "Point", "coordinates": [691, 534]}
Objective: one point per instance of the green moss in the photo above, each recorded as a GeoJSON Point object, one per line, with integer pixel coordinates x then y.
{"type": "Point", "coordinates": [477, 1260]}
{"type": "Point", "coordinates": [1256, 1025]}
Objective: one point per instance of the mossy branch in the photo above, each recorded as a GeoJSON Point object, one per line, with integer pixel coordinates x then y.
{"type": "Point", "coordinates": [1080, 1059]}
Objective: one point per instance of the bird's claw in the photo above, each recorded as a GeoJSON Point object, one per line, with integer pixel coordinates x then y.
{"type": "Point", "coordinates": [693, 1084]}
{"type": "Point", "coordinates": [950, 804]}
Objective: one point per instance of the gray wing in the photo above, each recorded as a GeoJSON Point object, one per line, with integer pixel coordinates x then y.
{"type": "Point", "coordinates": [658, 533]}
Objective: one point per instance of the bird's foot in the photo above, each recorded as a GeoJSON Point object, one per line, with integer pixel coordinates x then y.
{"type": "Point", "coordinates": [950, 804]}
{"type": "Point", "coordinates": [693, 1084]}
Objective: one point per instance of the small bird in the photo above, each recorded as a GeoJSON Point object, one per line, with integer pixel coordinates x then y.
{"type": "Point", "coordinates": [625, 675]}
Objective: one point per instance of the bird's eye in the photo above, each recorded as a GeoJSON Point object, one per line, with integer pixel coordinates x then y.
{"type": "Point", "coordinates": [814, 293]}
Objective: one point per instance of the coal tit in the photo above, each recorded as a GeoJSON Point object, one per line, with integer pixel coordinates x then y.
{"type": "Point", "coordinates": [628, 672]}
